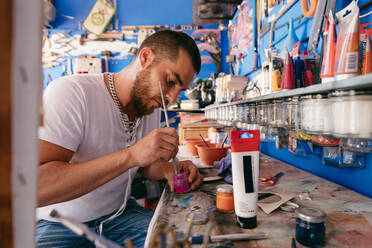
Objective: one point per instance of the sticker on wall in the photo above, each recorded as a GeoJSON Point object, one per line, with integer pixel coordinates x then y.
{"type": "Point", "coordinates": [99, 17]}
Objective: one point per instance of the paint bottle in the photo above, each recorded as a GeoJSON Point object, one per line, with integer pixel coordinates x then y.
{"type": "Point", "coordinates": [288, 77]}
{"type": "Point", "coordinates": [245, 171]}
{"type": "Point", "coordinates": [298, 66]}
{"type": "Point", "coordinates": [275, 68]}
{"type": "Point", "coordinates": [327, 70]}
{"type": "Point", "coordinates": [310, 228]}
{"type": "Point", "coordinates": [181, 184]}
{"type": "Point", "coordinates": [225, 198]}
{"type": "Point", "coordinates": [347, 48]}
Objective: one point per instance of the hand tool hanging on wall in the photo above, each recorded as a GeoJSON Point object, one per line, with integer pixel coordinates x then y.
{"type": "Point", "coordinates": [144, 27]}
{"type": "Point", "coordinates": [266, 27]}
{"type": "Point", "coordinates": [116, 15]}
{"type": "Point", "coordinates": [323, 8]}
{"type": "Point", "coordinates": [309, 12]}
{"type": "Point", "coordinates": [280, 14]}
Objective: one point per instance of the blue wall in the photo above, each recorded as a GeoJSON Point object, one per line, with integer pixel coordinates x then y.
{"type": "Point", "coordinates": [139, 12]}
{"type": "Point", "coordinates": [353, 178]}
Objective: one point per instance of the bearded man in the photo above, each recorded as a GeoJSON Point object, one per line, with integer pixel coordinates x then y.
{"type": "Point", "coordinates": [99, 130]}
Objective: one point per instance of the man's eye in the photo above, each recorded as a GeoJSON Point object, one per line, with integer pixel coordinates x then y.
{"type": "Point", "coordinates": [171, 83]}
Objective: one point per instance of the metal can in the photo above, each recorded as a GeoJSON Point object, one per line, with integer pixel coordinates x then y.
{"type": "Point", "coordinates": [310, 228]}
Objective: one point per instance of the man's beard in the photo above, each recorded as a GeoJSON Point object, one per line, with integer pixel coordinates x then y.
{"type": "Point", "coordinates": [141, 94]}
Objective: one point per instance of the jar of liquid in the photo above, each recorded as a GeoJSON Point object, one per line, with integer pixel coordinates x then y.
{"type": "Point", "coordinates": [351, 114]}
{"type": "Point", "coordinates": [225, 198]}
{"type": "Point", "coordinates": [310, 228]}
{"type": "Point", "coordinates": [315, 114]}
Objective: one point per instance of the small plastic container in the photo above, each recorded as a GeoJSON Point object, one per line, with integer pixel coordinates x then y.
{"type": "Point", "coordinates": [310, 227]}
{"type": "Point", "coordinates": [274, 114]}
{"type": "Point", "coordinates": [225, 198]}
{"type": "Point", "coordinates": [351, 114]}
{"type": "Point", "coordinates": [181, 183]}
{"type": "Point", "coordinates": [315, 114]}
{"type": "Point", "coordinates": [293, 113]}
{"type": "Point", "coordinates": [262, 113]}
{"type": "Point", "coordinates": [252, 116]}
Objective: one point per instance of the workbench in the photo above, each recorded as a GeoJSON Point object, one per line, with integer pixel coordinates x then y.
{"type": "Point", "coordinates": [349, 214]}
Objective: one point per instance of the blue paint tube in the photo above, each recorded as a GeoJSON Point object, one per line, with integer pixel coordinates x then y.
{"type": "Point", "coordinates": [298, 66]}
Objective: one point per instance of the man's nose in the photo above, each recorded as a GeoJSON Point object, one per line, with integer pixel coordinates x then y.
{"type": "Point", "coordinates": [172, 96]}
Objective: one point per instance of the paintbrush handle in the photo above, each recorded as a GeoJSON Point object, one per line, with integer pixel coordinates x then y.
{"type": "Point", "coordinates": [164, 106]}
{"type": "Point", "coordinates": [174, 160]}
{"type": "Point", "coordinates": [238, 236]}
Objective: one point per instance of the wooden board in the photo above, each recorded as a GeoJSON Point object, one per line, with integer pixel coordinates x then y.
{"type": "Point", "coordinates": [6, 225]}
{"type": "Point", "coordinates": [349, 214]}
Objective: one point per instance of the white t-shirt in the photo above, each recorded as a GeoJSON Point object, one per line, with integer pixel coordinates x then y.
{"type": "Point", "coordinates": [80, 115]}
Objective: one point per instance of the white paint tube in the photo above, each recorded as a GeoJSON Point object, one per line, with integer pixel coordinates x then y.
{"type": "Point", "coordinates": [245, 172]}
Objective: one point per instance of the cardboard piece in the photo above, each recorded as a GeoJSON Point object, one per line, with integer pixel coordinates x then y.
{"type": "Point", "coordinates": [271, 203]}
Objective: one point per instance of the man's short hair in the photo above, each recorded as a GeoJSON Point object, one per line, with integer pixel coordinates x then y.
{"type": "Point", "coordinates": [165, 44]}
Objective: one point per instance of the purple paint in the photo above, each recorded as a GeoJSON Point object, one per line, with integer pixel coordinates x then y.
{"type": "Point", "coordinates": [181, 184]}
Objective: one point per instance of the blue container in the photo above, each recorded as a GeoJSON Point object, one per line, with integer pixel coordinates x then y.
{"type": "Point", "coordinates": [310, 228]}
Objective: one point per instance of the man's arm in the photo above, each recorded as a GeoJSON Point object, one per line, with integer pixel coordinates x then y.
{"type": "Point", "coordinates": [61, 181]}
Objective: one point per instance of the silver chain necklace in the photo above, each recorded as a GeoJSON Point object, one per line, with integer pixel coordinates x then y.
{"type": "Point", "coordinates": [129, 126]}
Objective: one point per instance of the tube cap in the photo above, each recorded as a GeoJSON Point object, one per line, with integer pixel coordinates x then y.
{"type": "Point", "coordinates": [247, 223]}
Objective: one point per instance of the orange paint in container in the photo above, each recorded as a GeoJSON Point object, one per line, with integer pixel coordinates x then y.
{"type": "Point", "coordinates": [225, 198]}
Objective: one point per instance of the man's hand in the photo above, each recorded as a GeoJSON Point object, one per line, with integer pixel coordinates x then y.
{"type": "Point", "coordinates": [193, 175]}
{"type": "Point", "coordinates": [161, 144]}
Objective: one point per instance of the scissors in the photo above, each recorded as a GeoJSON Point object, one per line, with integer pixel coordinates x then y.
{"type": "Point", "coordinates": [269, 181]}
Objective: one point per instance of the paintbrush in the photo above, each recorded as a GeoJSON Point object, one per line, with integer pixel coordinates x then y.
{"type": "Point", "coordinates": [174, 161]}
{"type": "Point", "coordinates": [205, 142]}
{"type": "Point", "coordinates": [224, 140]}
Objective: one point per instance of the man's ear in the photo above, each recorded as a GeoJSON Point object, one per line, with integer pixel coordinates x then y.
{"type": "Point", "coordinates": [146, 57]}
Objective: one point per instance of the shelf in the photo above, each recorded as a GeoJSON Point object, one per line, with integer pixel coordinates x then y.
{"type": "Point", "coordinates": [359, 82]}
{"type": "Point", "coordinates": [186, 110]}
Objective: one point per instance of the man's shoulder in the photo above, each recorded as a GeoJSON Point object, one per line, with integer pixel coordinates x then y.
{"type": "Point", "coordinates": [74, 83]}
{"type": "Point", "coordinates": [80, 79]}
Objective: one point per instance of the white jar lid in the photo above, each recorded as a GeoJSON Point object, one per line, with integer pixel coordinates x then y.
{"type": "Point", "coordinates": [225, 188]}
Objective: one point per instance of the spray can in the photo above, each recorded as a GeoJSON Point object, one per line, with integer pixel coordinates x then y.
{"type": "Point", "coordinates": [245, 170]}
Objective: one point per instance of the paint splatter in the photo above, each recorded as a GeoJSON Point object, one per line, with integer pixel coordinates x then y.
{"type": "Point", "coordinates": [184, 202]}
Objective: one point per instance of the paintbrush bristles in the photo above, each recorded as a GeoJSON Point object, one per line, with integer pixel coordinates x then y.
{"type": "Point", "coordinates": [164, 106]}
